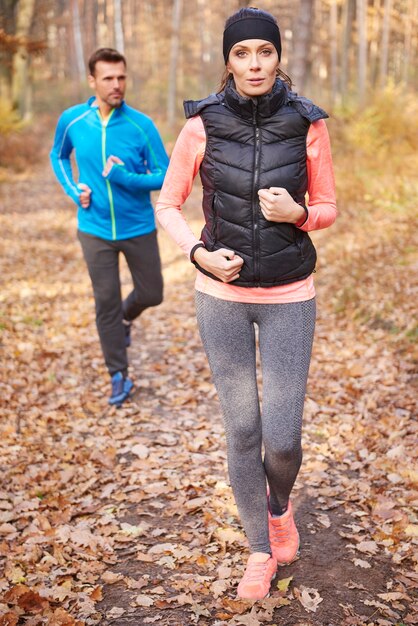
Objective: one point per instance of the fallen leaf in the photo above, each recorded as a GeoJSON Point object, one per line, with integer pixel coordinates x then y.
{"type": "Point", "coordinates": [9, 619]}
{"type": "Point", "coordinates": [219, 587]}
{"type": "Point", "coordinates": [141, 451]}
{"type": "Point", "coordinates": [230, 536]}
{"type": "Point", "coordinates": [308, 597]}
{"type": "Point", "coordinates": [111, 577]}
{"type": "Point", "coordinates": [32, 602]}
{"type": "Point", "coordinates": [115, 612]}
{"type": "Point", "coordinates": [370, 547]}
{"type": "Point", "coordinates": [324, 520]}
{"type": "Point", "coordinates": [147, 558]}
{"type": "Point", "coordinates": [143, 600]}
{"type": "Point", "coordinates": [411, 530]}
{"type": "Point", "coordinates": [248, 619]}
{"type": "Point", "coordinates": [7, 529]}
{"type": "Point", "coordinates": [284, 583]}
{"type": "Point", "coordinates": [360, 563]}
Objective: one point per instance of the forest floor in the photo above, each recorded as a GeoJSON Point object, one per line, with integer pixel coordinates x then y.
{"type": "Point", "coordinates": [120, 517]}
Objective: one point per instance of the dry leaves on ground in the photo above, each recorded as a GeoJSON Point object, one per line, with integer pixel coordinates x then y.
{"type": "Point", "coordinates": [107, 517]}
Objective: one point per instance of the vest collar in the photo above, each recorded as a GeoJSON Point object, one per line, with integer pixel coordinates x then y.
{"type": "Point", "coordinates": [263, 106]}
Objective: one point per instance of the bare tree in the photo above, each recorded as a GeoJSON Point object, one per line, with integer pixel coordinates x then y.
{"type": "Point", "coordinates": [334, 50]}
{"type": "Point", "coordinates": [21, 80]}
{"type": "Point", "coordinates": [205, 43]}
{"type": "Point", "coordinates": [7, 27]}
{"type": "Point", "coordinates": [384, 54]}
{"type": "Point", "coordinates": [302, 43]}
{"type": "Point", "coordinates": [339, 46]}
{"type": "Point", "coordinates": [119, 38]}
{"type": "Point", "coordinates": [375, 37]}
{"type": "Point", "coordinates": [89, 17]}
{"type": "Point", "coordinates": [78, 40]}
{"type": "Point", "coordinates": [347, 29]}
{"type": "Point", "coordinates": [362, 49]}
{"type": "Point", "coordinates": [174, 58]}
{"type": "Point", "coordinates": [408, 18]}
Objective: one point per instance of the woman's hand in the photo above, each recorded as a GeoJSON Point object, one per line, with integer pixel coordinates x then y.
{"type": "Point", "coordinates": [223, 263]}
{"type": "Point", "coordinates": [277, 205]}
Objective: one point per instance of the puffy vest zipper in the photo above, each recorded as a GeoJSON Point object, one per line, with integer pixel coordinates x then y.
{"type": "Point", "coordinates": [214, 218]}
{"type": "Point", "coordinates": [255, 202]}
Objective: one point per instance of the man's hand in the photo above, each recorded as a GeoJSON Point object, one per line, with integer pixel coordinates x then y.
{"type": "Point", "coordinates": [111, 161]}
{"type": "Point", "coordinates": [84, 196]}
{"type": "Point", "coordinates": [223, 263]}
{"type": "Point", "coordinates": [277, 205]}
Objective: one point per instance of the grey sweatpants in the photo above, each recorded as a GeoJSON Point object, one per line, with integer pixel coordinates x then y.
{"type": "Point", "coordinates": [102, 259]}
{"type": "Point", "coordinates": [285, 341]}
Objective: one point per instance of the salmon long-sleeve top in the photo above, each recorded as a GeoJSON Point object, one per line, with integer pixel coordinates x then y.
{"type": "Point", "coordinates": [184, 165]}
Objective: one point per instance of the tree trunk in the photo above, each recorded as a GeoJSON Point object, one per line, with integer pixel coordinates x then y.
{"type": "Point", "coordinates": [21, 79]}
{"type": "Point", "coordinates": [384, 54]}
{"type": "Point", "coordinates": [78, 41]}
{"type": "Point", "coordinates": [119, 38]}
{"type": "Point", "coordinates": [375, 40]}
{"type": "Point", "coordinates": [334, 52]}
{"type": "Point", "coordinates": [205, 45]}
{"type": "Point", "coordinates": [362, 50]}
{"type": "Point", "coordinates": [90, 14]}
{"type": "Point", "coordinates": [347, 25]}
{"type": "Point", "coordinates": [7, 23]}
{"type": "Point", "coordinates": [408, 41]}
{"type": "Point", "coordinates": [174, 58]}
{"type": "Point", "coordinates": [300, 60]}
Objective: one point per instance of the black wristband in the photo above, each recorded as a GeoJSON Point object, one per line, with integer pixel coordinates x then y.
{"type": "Point", "coordinates": [193, 250]}
{"type": "Point", "coordinates": [302, 222]}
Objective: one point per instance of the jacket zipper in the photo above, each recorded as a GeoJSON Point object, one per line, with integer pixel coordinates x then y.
{"type": "Point", "coordinates": [254, 204]}
{"type": "Point", "coordinates": [214, 218]}
{"type": "Point", "coordinates": [108, 186]}
{"type": "Point", "coordinates": [299, 243]}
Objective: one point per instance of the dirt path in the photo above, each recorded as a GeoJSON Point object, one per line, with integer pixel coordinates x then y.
{"type": "Point", "coordinates": [125, 517]}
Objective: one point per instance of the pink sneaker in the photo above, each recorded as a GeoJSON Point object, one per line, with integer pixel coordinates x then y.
{"type": "Point", "coordinates": [255, 584]}
{"type": "Point", "coordinates": [284, 537]}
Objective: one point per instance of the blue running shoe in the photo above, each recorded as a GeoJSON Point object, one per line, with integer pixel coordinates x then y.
{"type": "Point", "coordinates": [127, 327]}
{"type": "Point", "coordinates": [121, 388]}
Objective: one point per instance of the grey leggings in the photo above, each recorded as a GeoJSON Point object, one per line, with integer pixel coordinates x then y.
{"type": "Point", "coordinates": [286, 333]}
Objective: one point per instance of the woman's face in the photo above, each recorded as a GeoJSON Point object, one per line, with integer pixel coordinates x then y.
{"type": "Point", "coordinates": [253, 64]}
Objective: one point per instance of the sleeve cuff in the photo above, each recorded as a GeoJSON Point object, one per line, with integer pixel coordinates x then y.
{"type": "Point", "coordinates": [193, 250]}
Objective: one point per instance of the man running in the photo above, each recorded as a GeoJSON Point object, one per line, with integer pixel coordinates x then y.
{"type": "Point", "coordinates": [120, 159]}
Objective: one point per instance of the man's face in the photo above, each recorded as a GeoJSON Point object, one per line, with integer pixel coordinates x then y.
{"type": "Point", "coordinates": [109, 83]}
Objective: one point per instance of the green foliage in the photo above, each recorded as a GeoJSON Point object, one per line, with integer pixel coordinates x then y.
{"type": "Point", "coordinates": [376, 149]}
{"type": "Point", "coordinates": [387, 129]}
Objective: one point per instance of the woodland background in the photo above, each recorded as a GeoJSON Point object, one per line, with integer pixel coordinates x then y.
{"type": "Point", "coordinates": [339, 51]}
{"type": "Point", "coordinates": [126, 517]}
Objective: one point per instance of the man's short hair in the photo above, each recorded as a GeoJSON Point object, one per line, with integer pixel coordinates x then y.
{"type": "Point", "coordinates": [108, 55]}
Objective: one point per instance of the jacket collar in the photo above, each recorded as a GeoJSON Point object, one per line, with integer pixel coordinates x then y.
{"type": "Point", "coordinates": [92, 104]}
{"type": "Point", "coordinates": [263, 106]}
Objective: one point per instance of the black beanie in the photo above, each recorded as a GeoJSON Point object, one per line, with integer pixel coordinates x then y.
{"type": "Point", "coordinates": [252, 27]}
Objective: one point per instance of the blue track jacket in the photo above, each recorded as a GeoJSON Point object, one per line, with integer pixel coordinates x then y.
{"type": "Point", "coordinates": [120, 204]}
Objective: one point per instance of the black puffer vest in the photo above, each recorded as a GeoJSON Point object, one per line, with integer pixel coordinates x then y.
{"type": "Point", "coordinates": [255, 144]}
